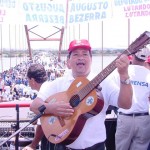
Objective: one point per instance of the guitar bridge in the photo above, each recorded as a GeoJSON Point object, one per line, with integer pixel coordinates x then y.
{"type": "Point", "coordinates": [54, 136]}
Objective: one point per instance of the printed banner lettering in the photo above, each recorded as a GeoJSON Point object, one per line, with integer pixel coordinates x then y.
{"type": "Point", "coordinates": [131, 8]}
{"type": "Point", "coordinates": [54, 12]}
{"type": "Point", "coordinates": [88, 10]}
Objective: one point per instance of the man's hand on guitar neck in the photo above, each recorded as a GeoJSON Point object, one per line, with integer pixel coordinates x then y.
{"type": "Point", "coordinates": [122, 65]}
{"type": "Point", "coordinates": [59, 109]}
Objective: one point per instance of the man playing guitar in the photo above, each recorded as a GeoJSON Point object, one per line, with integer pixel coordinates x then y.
{"type": "Point", "coordinates": [93, 134]}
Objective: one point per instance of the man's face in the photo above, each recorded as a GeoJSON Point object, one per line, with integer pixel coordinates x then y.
{"type": "Point", "coordinates": [80, 62]}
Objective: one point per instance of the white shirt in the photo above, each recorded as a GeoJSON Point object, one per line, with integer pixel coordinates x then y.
{"type": "Point", "coordinates": [140, 81]}
{"type": "Point", "coordinates": [1, 83]}
{"type": "Point", "coordinates": [94, 129]}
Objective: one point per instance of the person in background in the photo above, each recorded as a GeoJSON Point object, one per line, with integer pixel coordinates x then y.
{"type": "Point", "coordinates": [36, 75]}
{"type": "Point", "coordinates": [1, 88]}
{"type": "Point", "coordinates": [147, 63]}
{"type": "Point", "coordinates": [133, 125]}
{"type": "Point", "coordinates": [93, 134]}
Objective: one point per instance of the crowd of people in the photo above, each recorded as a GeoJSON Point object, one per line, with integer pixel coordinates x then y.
{"type": "Point", "coordinates": [14, 83]}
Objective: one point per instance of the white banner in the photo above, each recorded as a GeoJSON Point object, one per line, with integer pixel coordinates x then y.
{"type": "Point", "coordinates": [131, 8]}
{"type": "Point", "coordinates": [33, 12]}
{"type": "Point", "coordinates": [81, 11]}
{"type": "Point", "coordinates": [9, 11]}
{"type": "Point", "coordinates": [54, 12]}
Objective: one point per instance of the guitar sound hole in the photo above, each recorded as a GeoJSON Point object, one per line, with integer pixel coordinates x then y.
{"type": "Point", "coordinates": [75, 100]}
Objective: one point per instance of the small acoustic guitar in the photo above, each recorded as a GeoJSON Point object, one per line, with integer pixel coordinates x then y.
{"type": "Point", "coordinates": [82, 97]}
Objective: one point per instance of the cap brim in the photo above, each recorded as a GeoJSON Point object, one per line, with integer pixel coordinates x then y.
{"type": "Point", "coordinates": [79, 46]}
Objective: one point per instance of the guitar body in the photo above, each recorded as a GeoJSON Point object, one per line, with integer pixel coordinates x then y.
{"type": "Point", "coordinates": [66, 130]}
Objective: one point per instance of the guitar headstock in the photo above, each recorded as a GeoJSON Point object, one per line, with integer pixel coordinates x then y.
{"type": "Point", "coordinates": [139, 43]}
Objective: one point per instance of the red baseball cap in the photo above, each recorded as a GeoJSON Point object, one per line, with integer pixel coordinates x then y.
{"type": "Point", "coordinates": [79, 44]}
{"type": "Point", "coordinates": [148, 60]}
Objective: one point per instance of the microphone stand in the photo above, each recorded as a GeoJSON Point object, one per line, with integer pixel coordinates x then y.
{"type": "Point", "coordinates": [41, 110]}
{"type": "Point", "coordinates": [17, 127]}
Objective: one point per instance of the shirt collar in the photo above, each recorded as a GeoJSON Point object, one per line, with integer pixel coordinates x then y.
{"type": "Point", "coordinates": [71, 78]}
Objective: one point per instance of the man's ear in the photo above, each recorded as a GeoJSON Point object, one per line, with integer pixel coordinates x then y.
{"type": "Point", "coordinates": [68, 64]}
{"type": "Point", "coordinates": [32, 81]}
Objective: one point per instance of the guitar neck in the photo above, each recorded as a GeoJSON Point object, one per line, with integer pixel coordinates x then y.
{"type": "Point", "coordinates": [139, 43]}
{"type": "Point", "coordinates": [97, 80]}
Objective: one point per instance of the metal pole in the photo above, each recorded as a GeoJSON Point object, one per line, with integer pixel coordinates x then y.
{"type": "Point", "coordinates": [10, 45]}
{"type": "Point", "coordinates": [15, 45]}
{"type": "Point", "coordinates": [102, 46]}
{"type": "Point", "coordinates": [1, 49]}
{"type": "Point", "coordinates": [79, 31]}
{"type": "Point", "coordinates": [19, 43]}
{"type": "Point", "coordinates": [28, 41]}
{"type": "Point", "coordinates": [60, 45]}
{"type": "Point", "coordinates": [17, 128]}
{"type": "Point", "coordinates": [88, 31]}
{"type": "Point", "coordinates": [128, 32]}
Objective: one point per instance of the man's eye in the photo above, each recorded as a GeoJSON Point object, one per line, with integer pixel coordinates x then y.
{"type": "Point", "coordinates": [75, 54]}
{"type": "Point", "coordinates": [85, 54]}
